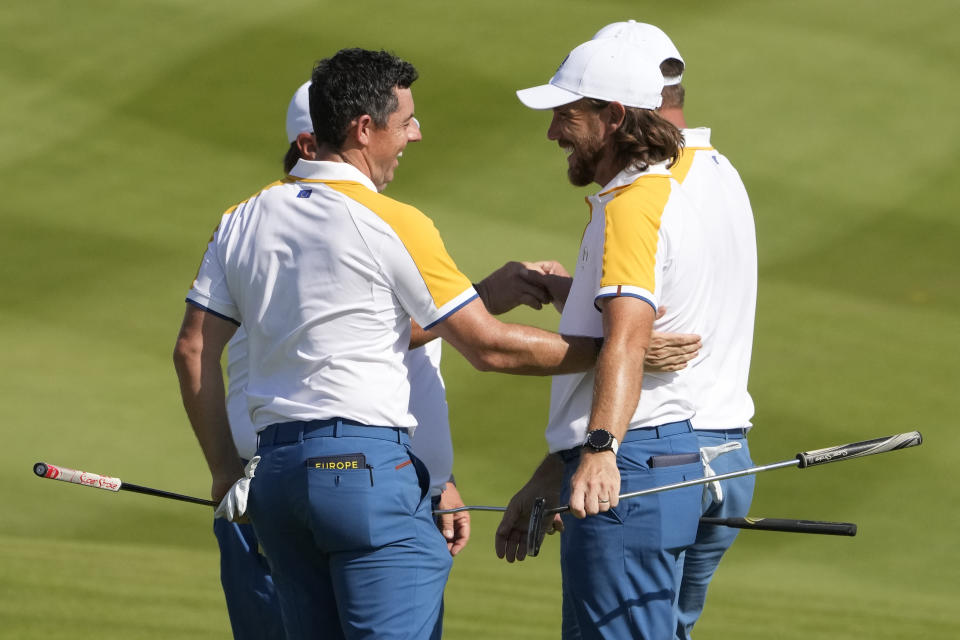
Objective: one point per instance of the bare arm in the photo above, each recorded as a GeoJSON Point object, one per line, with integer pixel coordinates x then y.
{"type": "Point", "coordinates": [513, 284]}
{"type": "Point", "coordinates": [627, 323]}
{"type": "Point", "coordinates": [491, 345]}
{"type": "Point", "coordinates": [196, 358]}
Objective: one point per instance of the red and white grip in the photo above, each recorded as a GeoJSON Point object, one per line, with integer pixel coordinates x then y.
{"type": "Point", "coordinates": [45, 470]}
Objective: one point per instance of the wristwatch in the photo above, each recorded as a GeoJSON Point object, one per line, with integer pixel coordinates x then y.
{"type": "Point", "coordinates": [601, 440]}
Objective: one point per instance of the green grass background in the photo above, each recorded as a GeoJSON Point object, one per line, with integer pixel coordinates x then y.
{"type": "Point", "coordinates": [127, 127]}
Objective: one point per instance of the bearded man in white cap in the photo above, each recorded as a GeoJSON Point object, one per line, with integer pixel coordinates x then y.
{"type": "Point", "coordinates": [618, 428]}
{"type": "Point", "coordinates": [718, 376]}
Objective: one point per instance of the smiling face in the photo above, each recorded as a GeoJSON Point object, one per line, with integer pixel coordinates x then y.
{"type": "Point", "coordinates": [579, 130]}
{"type": "Point", "coordinates": [386, 144]}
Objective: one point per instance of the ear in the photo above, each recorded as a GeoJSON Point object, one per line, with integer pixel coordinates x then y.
{"type": "Point", "coordinates": [360, 129]}
{"type": "Point", "coordinates": [614, 115]}
{"type": "Point", "coordinates": [307, 145]}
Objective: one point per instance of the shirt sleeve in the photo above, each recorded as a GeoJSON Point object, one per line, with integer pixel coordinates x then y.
{"type": "Point", "coordinates": [632, 242]}
{"type": "Point", "coordinates": [433, 289]}
{"type": "Point", "coordinates": [209, 291]}
{"type": "Point", "coordinates": [413, 258]}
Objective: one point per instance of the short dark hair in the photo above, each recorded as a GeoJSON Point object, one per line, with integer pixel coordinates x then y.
{"type": "Point", "coordinates": [674, 94]}
{"type": "Point", "coordinates": [352, 83]}
{"type": "Point", "coordinates": [643, 138]}
{"type": "Point", "coordinates": [291, 157]}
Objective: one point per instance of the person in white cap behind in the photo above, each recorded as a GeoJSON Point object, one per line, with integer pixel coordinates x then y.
{"type": "Point", "coordinates": [620, 428]}
{"type": "Point", "coordinates": [718, 376]}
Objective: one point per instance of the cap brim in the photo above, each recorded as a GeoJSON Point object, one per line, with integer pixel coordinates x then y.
{"type": "Point", "coordinates": [546, 96]}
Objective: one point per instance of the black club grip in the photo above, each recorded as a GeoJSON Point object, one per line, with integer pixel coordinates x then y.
{"type": "Point", "coordinates": [859, 449]}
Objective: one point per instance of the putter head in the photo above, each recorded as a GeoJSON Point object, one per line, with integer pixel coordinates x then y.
{"type": "Point", "coordinates": [536, 530]}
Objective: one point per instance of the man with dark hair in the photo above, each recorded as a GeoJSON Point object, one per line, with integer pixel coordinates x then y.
{"type": "Point", "coordinates": [325, 274]}
{"type": "Point", "coordinates": [618, 428]}
{"type": "Point", "coordinates": [717, 378]}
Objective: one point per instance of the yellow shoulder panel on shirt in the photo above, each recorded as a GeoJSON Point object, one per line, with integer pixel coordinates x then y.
{"type": "Point", "coordinates": [418, 234]}
{"type": "Point", "coordinates": [631, 232]}
{"type": "Point", "coordinates": [681, 168]}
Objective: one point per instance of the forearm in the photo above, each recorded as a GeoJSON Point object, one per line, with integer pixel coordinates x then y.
{"type": "Point", "coordinates": [548, 477]}
{"type": "Point", "coordinates": [196, 357]}
{"type": "Point", "coordinates": [524, 350]}
{"type": "Point", "coordinates": [202, 392]}
{"type": "Point", "coordinates": [618, 380]}
{"type": "Point", "coordinates": [617, 385]}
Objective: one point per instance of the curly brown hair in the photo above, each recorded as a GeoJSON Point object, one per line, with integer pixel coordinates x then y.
{"type": "Point", "coordinates": [643, 138]}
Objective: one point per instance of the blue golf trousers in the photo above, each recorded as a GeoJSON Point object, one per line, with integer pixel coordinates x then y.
{"type": "Point", "coordinates": [701, 559]}
{"type": "Point", "coordinates": [247, 584]}
{"type": "Point", "coordinates": [343, 512]}
{"type": "Point", "coordinates": [621, 568]}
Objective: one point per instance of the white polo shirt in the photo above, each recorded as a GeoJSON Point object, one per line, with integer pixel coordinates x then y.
{"type": "Point", "coordinates": [718, 376]}
{"type": "Point", "coordinates": [428, 404]}
{"type": "Point", "coordinates": [324, 273]}
{"type": "Point", "coordinates": [638, 243]}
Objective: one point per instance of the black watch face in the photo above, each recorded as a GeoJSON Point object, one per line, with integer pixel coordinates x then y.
{"type": "Point", "coordinates": [599, 439]}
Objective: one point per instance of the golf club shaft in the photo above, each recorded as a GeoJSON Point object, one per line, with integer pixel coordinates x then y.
{"type": "Point", "coordinates": [666, 487]}
{"type": "Point", "coordinates": [802, 460]}
{"type": "Point", "coordinates": [87, 479]}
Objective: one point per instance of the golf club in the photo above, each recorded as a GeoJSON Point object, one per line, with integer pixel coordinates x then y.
{"type": "Point", "coordinates": [87, 479]}
{"type": "Point", "coordinates": [802, 460]}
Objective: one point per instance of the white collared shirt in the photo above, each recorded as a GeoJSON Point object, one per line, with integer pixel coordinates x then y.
{"type": "Point", "coordinates": [718, 376]}
{"type": "Point", "coordinates": [638, 243]}
{"type": "Point", "coordinates": [324, 274]}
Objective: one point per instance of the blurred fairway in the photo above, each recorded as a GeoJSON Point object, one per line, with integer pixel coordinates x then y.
{"type": "Point", "coordinates": [128, 127]}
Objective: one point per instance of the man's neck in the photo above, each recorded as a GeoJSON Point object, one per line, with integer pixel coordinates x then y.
{"type": "Point", "coordinates": [351, 156]}
{"type": "Point", "coordinates": [673, 115]}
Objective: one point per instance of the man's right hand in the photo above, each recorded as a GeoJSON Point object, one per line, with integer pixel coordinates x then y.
{"type": "Point", "coordinates": [511, 285]}
{"type": "Point", "coordinates": [671, 351]}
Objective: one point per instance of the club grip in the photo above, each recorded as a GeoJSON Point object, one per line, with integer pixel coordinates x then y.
{"type": "Point", "coordinates": [859, 449]}
{"type": "Point", "coordinates": [45, 470]}
{"type": "Point", "coordinates": [790, 526]}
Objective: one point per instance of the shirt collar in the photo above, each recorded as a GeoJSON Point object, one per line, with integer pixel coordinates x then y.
{"type": "Point", "coordinates": [325, 170]}
{"type": "Point", "coordinates": [630, 175]}
{"type": "Point", "coordinates": [698, 138]}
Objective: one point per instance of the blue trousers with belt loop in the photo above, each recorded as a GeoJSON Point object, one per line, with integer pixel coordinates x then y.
{"type": "Point", "coordinates": [343, 512]}
{"type": "Point", "coordinates": [621, 568]}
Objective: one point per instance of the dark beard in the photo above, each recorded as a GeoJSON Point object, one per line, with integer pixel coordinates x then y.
{"type": "Point", "coordinates": [583, 165]}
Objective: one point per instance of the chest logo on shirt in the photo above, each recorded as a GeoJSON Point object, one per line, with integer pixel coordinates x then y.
{"type": "Point", "coordinates": [584, 255]}
{"type": "Point", "coordinates": [305, 193]}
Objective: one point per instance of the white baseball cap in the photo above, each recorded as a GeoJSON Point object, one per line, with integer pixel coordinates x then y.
{"type": "Point", "coordinates": [611, 69]}
{"type": "Point", "coordinates": [653, 40]}
{"type": "Point", "coordinates": [298, 113]}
